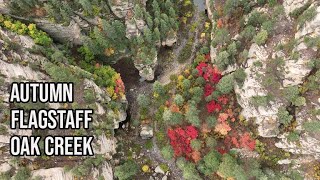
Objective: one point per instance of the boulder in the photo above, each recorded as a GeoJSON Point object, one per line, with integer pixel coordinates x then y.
{"type": "Point", "coordinates": [146, 132]}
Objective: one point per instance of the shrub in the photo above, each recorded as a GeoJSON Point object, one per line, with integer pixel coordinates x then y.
{"type": "Point", "coordinates": [261, 37]}
{"type": "Point", "coordinates": [307, 15]}
{"type": "Point", "coordinates": [261, 100]}
{"type": "Point", "coordinates": [126, 170]}
{"type": "Point", "coordinates": [284, 117]}
{"type": "Point", "coordinates": [257, 18]}
{"type": "Point", "coordinates": [23, 173]}
{"type": "Point", "coordinates": [225, 85]}
{"type": "Point", "coordinates": [5, 176]}
{"type": "Point", "coordinates": [223, 60]}
{"type": "Point", "coordinates": [89, 96]}
{"type": "Point", "coordinates": [299, 101]}
{"type": "Point", "coordinates": [240, 76]}
{"type": "Point", "coordinates": [298, 11]}
{"type": "Point", "coordinates": [312, 126]}
{"type": "Point", "coordinates": [293, 136]}
{"type": "Point", "coordinates": [291, 93]}
{"type": "Point", "coordinates": [268, 26]}
{"type": "Point", "coordinates": [143, 101]}
{"type": "Point", "coordinates": [312, 42]}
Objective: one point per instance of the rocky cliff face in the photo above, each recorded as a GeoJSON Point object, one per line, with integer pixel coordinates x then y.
{"type": "Point", "coordinates": [294, 71]}
{"type": "Point", "coordinates": [17, 63]}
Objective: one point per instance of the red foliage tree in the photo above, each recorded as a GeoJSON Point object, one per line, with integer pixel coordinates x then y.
{"type": "Point", "coordinates": [213, 106]}
{"type": "Point", "coordinates": [208, 89]}
{"type": "Point", "coordinates": [247, 142]}
{"type": "Point", "coordinates": [180, 140]}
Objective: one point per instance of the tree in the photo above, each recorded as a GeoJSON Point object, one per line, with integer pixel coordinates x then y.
{"type": "Point", "coordinates": [221, 37]}
{"type": "Point", "coordinates": [196, 144]}
{"type": "Point", "coordinates": [167, 115]}
{"type": "Point", "coordinates": [138, 12]}
{"type": "Point", "coordinates": [210, 163]}
{"type": "Point", "coordinates": [158, 88]}
{"type": "Point", "coordinates": [227, 167]}
{"type": "Point", "coordinates": [126, 170]}
{"type": "Point", "coordinates": [188, 169]}
{"type": "Point", "coordinates": [232, 49]}
{"type": "Point", "coordinates": [230, 6]}
{"type": "Point", "coordinates": [291, 93]}
{"type": "Point", "coordinates": [148, 36]}
{"type": "Point", "coordinates": [192, 115]}
{"type": "Point", "coordinates": [248, 33]}
{"type": "Point", "coordinates": [257, 18]}
{"type": "Point", "coordinates": [211, 121]}
{"type": "Point", "coordinates": [197, 94]}
{"type": "Point", "coordinates": [86, 5]}
{"type": "Point", "coordinates": [211, 142]}
{"type": "Point", "coordinates": [157, 35]}
{"type": "Point", "coordinates": [143, 101]}
{"type": "Point", "coordinates": [223, 60]}
{"type": "Point", "coordinates": [178, 100]}
{"type": "Point", "coordinates": [225, 85]}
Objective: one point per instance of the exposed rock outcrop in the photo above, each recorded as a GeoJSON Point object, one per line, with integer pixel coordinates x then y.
{"type": "Point", "coordinates": [146, 71]}
{"type": "Point", "coordinates": [18, 65]}
{"type": "Point", "coordinates": [52, 174]}
{"type": "Point", "coordinates": [265, 117]}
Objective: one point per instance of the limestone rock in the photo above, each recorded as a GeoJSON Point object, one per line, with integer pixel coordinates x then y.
{"type": "Point", "coordinates": [308, 143]}
{"type": "Point", "coordinates": [146, 71]}
{"type": "Point", "coordinates": [120, 7]}
{"type": "Point", "coordinates": [107, 172]}
{"type": "Point", "coordinates": [291, 5]}
{"type": "Point", "coordinates": [158, 170]}
{"type": "Point", "coordinates": [311, 27]}
{"type": "Point", "coordinates": [105, 146]}
{"type": "Point", "coordinates": [170, 41]}
{"type": "Point", "coordinates": [146, 132]}
{"type": "Point", "coordinates": [131, 29]}
{"type": "Point", "coordinates": [5, 167]}
{"type": "Point", "coordinates": [265, 117]}
{"type": "Point", "coordinates": [52, 174]}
